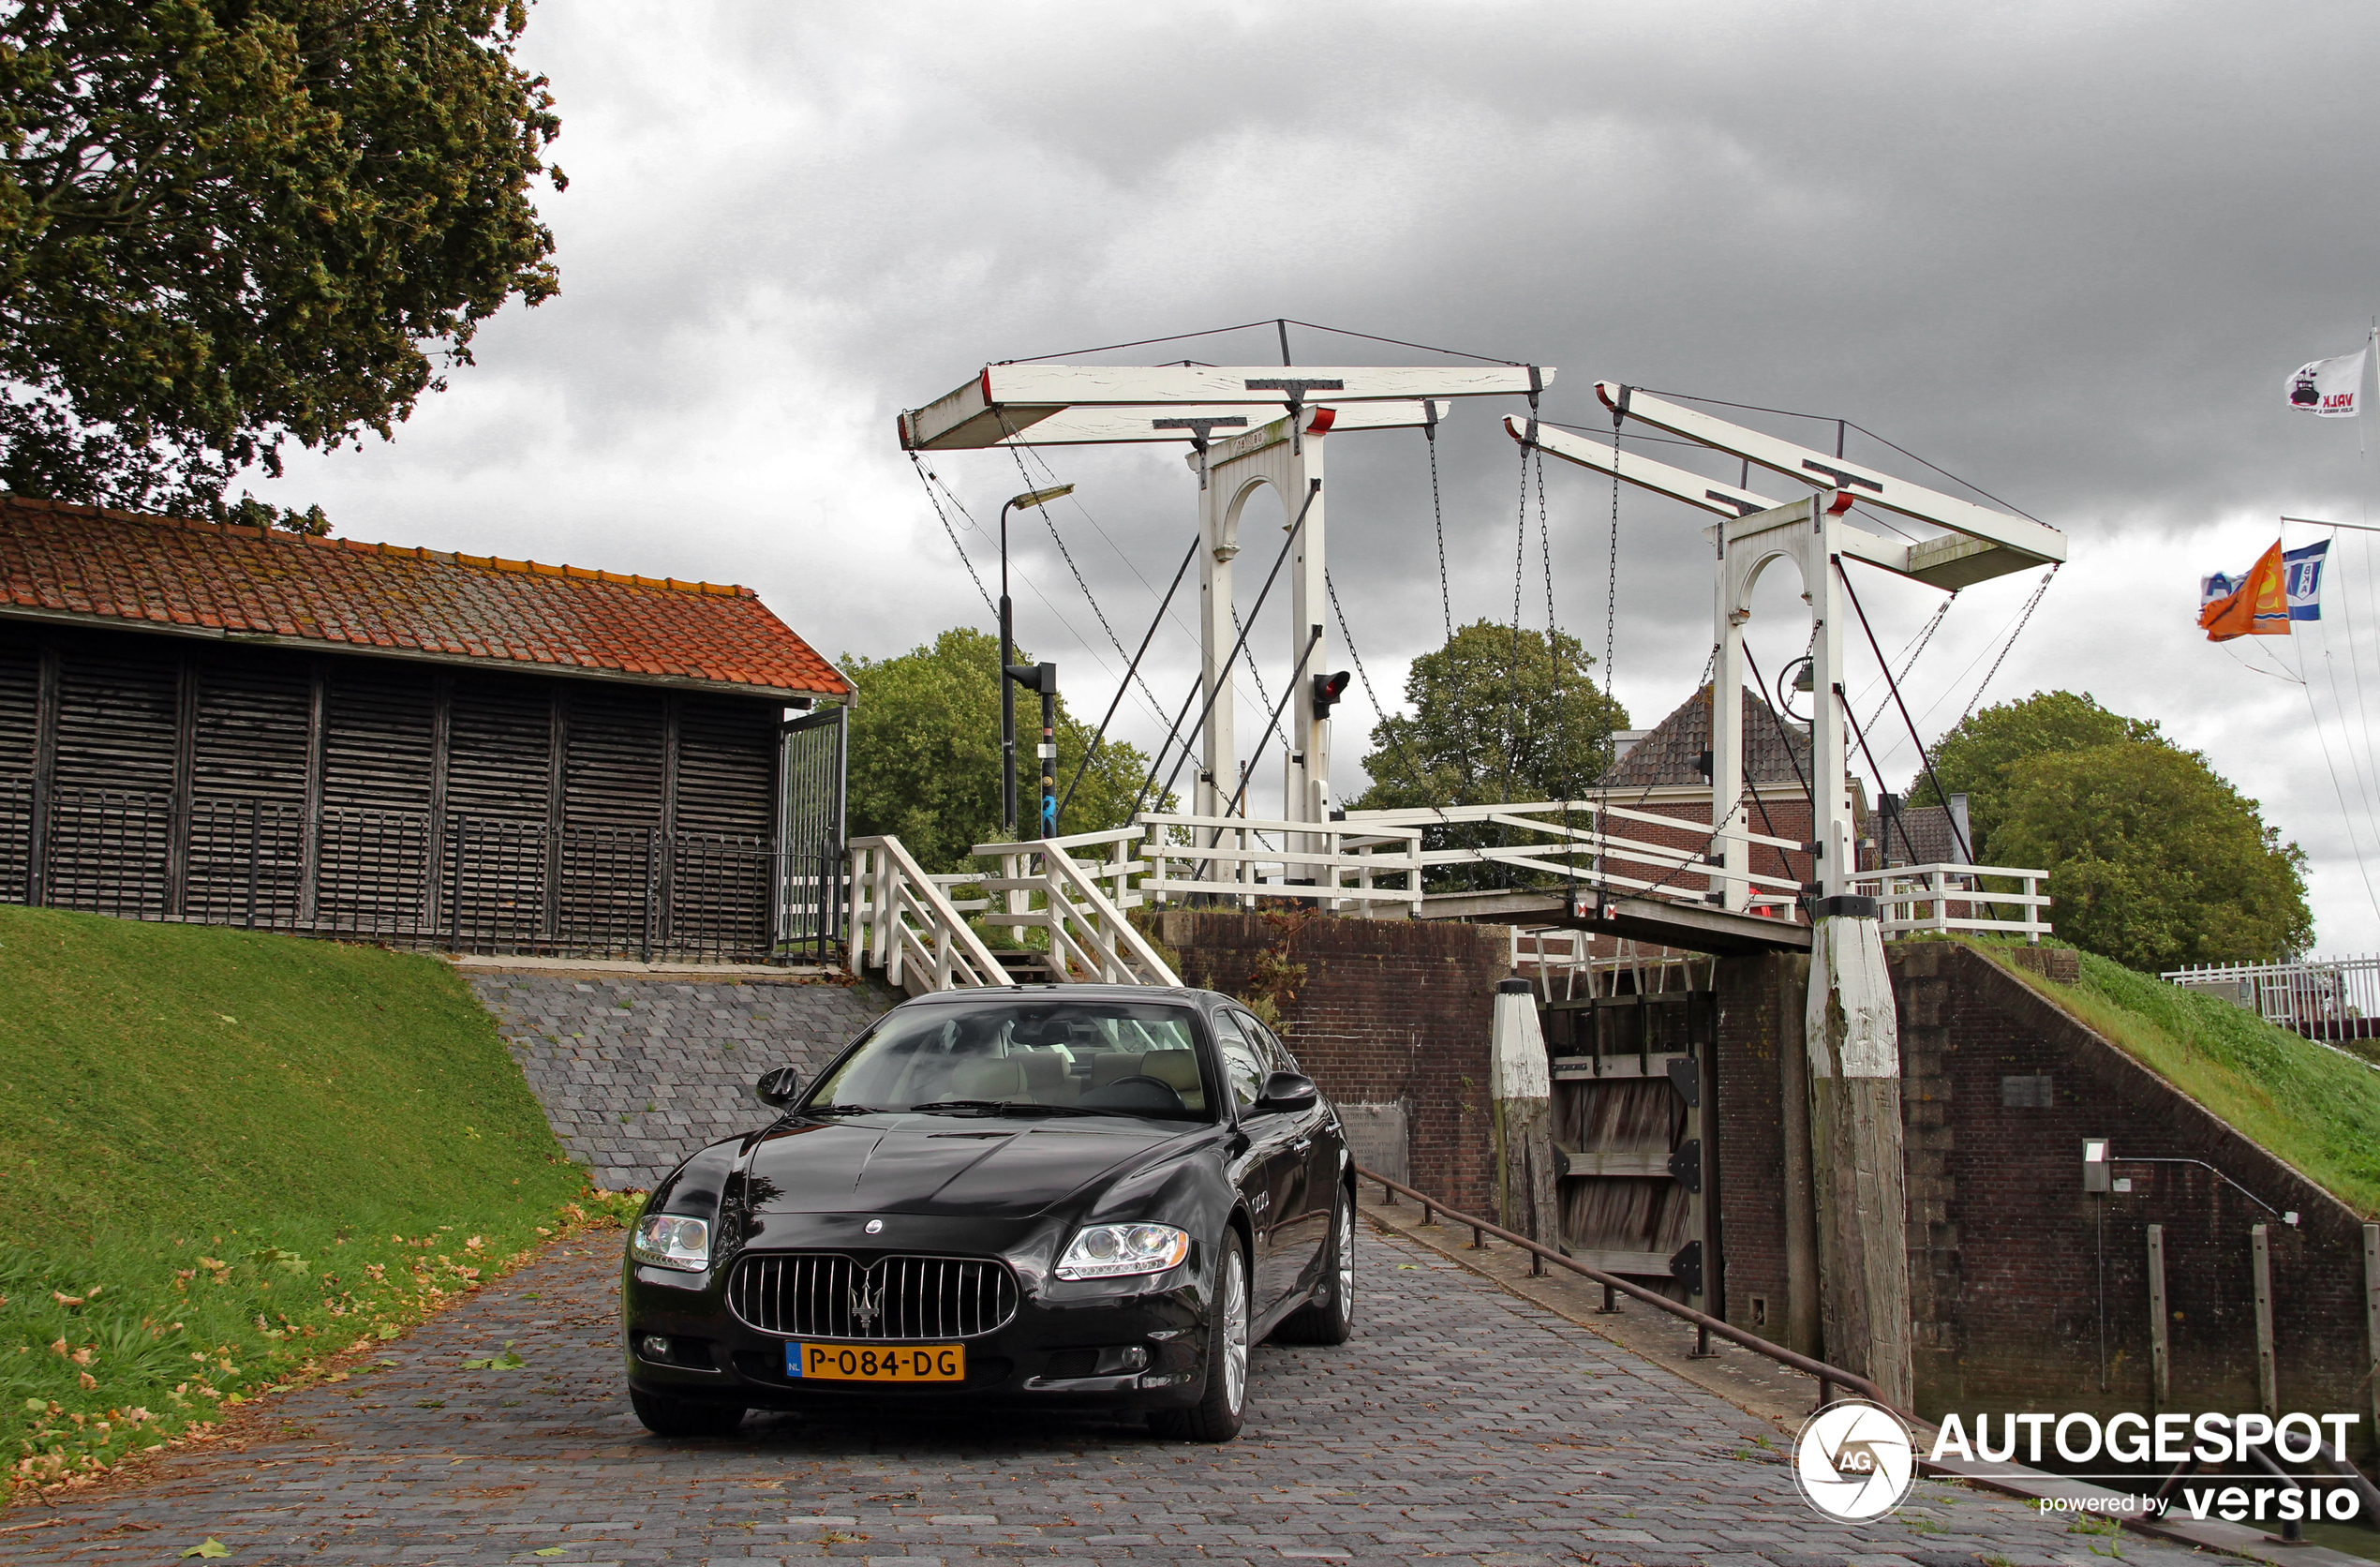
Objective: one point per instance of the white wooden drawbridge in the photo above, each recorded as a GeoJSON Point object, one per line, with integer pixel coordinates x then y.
{"type": "Point", "coordinates": [1619, 869]}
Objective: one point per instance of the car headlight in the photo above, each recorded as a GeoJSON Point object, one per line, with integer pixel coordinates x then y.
{"type": "Point", "coordinates": [671, 1241]}
{"type": "Point", "coordinates": [1110, 1250]}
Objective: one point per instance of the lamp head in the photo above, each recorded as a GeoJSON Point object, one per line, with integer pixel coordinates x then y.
{"type": "Point", "coordinates": [1036, 497]}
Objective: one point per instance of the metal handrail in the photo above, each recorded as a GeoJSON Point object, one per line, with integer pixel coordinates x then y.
{"type": "Point", "coordinates": [1829, 1377]}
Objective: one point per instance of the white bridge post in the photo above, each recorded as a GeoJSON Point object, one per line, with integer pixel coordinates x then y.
{"type": "Point", "coordinates": [1852, 1027]}
{"type": "Point", "coordinates": [1287, 455]}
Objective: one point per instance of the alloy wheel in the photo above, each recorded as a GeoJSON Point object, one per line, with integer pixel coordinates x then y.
{"type": "Point", "coordinates": [1235, 1328]}
{"type": "Point", "coordinates": [1345, 1248]}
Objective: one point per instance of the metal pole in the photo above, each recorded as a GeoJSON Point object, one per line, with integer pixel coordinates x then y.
{"type": "Point", "coordinates": [1049, 751]}
{"type": "Point", "coordinates": [1008, 690]}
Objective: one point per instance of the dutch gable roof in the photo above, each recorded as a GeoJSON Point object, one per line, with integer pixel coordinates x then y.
{"type": "Point", "coordinates": [116, 569]}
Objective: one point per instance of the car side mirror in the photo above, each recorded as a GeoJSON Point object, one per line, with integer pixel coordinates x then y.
{"type": "Point", "coordinates": [1287, 1091]}
{"type": "Point", "coordinates": [777, 1088]}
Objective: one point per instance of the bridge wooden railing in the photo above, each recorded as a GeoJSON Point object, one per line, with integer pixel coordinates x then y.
{"type": "Point", "coordinates": [1912, 898]}
{"type": "Point", "coordinates": [1706, 1325]}
{"type": "Point", "coordinates": [1590, 838]}
{"type": "Point", "coordinates": [1329, 862]}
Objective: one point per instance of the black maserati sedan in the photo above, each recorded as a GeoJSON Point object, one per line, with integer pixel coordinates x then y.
{"type": "Point", "coordinates": [1082, 1196]}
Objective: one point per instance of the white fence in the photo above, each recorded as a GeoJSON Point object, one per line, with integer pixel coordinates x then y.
{"type": "Point", "coordinates": [2327, 996]}
{"type": "Point", "coordinates": [1911, 897]}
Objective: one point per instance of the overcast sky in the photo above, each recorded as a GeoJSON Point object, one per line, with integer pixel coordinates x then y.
{"type": "Point", "coordinates": [2068, 253]}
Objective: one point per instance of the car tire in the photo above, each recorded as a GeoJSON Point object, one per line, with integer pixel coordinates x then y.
{"type": "Point", "coordinates": [1217, 1414]}
{"type": "Point", "coordinates": [1329, 1319]}
{"type": "Point", "coordinates": [684, 1417]}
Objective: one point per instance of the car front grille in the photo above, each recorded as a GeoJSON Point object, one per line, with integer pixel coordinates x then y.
{"type": "Point", "coordinates": [818, 1294]}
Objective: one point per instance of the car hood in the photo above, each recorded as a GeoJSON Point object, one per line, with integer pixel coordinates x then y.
{"type": "Point", "coordinates": [936, 1164]}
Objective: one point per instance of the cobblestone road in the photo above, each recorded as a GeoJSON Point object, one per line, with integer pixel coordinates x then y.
{"type": "Point", "coordinates": [1461, 1424]}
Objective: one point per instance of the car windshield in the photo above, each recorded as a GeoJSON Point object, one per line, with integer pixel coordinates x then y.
{"type": "Point", "coordinates": [1007, 1056]}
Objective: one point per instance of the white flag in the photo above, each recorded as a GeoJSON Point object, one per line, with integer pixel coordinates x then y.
{"type": "Point", "coordinates": [2328, 388]}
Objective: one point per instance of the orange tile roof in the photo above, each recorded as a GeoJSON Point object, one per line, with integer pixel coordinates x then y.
{"type": "Point", "coordinates": [169, 574]}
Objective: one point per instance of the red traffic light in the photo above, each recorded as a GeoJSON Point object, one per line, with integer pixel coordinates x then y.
{"type": "Point", "coordinates": [1327, 688]}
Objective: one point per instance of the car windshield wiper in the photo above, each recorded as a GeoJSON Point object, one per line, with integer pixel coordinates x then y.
{"type": "Point", "coordinates": [843, 1109]}
{"type": "Point", "coordinates": [998, 1107]}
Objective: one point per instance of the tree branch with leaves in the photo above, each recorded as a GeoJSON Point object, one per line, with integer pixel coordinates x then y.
{"type": "Point", "coordinates": [230, 224]}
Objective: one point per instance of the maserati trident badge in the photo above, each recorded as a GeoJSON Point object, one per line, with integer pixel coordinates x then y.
{"type": "Point", "coordinates": [865, 1305]}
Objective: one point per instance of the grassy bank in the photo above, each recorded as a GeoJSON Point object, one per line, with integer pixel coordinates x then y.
{"type": "Point", "coordinates": [2310, 1105]}
{"type": "Point", "coordinates": [227, 1156]}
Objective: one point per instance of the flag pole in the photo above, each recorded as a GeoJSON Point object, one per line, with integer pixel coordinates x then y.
{"type": "Point", "coordinates": [2317, 522]}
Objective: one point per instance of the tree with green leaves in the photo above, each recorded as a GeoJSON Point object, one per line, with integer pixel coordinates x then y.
{"type": "Point", "coordinates": [2153, 858]}
{"type": "Point", "coordinates": [228, 224]}
{"type": "Point", "coordinates": [925, 752]}
{"type": "Point", "coordinates": [1497, 716]}
{"type": "Point", "coordinates": [1974, 758]}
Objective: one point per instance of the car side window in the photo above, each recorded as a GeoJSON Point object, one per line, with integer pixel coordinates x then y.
{"type": "Point", "coordinates": [1276, 1055]}
{"type": "Point", "coordinates": [1243, 1066]}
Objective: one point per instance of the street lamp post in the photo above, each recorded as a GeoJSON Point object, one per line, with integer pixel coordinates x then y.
{"type": "Point", "coordinates": [1011, 676]}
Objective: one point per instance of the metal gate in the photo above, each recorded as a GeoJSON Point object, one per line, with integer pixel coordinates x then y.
{"type": "Point", "coordinates": [813, 763]}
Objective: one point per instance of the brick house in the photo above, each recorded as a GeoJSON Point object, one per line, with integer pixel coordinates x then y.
{"type": "Point", "coordinates": [213, 724]}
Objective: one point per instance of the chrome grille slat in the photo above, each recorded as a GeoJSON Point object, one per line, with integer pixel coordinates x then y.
{"type": "Point", "coordinates": [808, 1294]}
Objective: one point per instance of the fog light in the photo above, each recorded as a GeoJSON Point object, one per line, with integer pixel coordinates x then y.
{"type": "Point", "coordinates": [654, 1346]}
{"type": "Point", "coordinates": [1131, 1358]}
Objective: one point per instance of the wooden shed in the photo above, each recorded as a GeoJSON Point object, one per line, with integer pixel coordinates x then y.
{"type": "Point", "coordinates": [208, 723]}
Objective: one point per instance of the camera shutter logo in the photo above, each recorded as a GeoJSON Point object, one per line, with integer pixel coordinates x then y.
{"type": "Point", "coordinates": [1854, 1461]}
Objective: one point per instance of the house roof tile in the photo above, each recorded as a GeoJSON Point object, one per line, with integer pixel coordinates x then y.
{"type": "Point", "coordinates": [1672, 753]}
{"type": "Point", "coordinates": [80, 561]}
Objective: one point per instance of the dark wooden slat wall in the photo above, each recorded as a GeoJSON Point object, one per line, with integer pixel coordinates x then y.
{"type": "Point", "coordinates": [111, 808]}
{"type": "Point", "coordinates": [192, 779]}
{"type": "Point", "coordinates": [19, 715]}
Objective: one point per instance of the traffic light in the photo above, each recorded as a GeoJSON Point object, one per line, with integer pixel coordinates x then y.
{"type": "Point", "coordinates": [1327, 688]}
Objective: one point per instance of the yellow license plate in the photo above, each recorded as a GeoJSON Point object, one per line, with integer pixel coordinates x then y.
{"type": "Point", "coordinates": [877, 1363]}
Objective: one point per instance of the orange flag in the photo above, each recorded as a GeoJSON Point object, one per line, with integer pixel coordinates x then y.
{"type": "Point", "coordinates": [2259, 607]}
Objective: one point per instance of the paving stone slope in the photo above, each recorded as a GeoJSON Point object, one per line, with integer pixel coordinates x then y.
{"type": "Point", "coordinates": [1461, 1424]}
{"type": "Point", "coordinates": [634, 1074]}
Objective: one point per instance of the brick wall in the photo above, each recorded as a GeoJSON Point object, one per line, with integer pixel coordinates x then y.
{"type": "Point", "coordinates": [2007, 1253]}
{"type": "Point", "coordinates": [1392, 1013]}
{"type": "Point", "coordinates": [2007, 1250]}
{"type": "Point", "coordinates": [635, 1074]}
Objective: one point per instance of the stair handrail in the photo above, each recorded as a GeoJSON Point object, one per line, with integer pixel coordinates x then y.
{"type": "Point", "coordinates": [1829, 1377]}
{"type": "Point", "coordinates": [888, 883]}
{"type": "Point", "coordinates": [1109, 949]}
{"type": "Point", "coordinates": [1113, 936]}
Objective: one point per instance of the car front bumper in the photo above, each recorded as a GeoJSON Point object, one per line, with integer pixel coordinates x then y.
{"type": "Point", "coordinates": [1121, 1345]}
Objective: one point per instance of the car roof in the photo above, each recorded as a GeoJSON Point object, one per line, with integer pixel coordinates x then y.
{"type": "Point", "coordinates": [1075, 992]}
